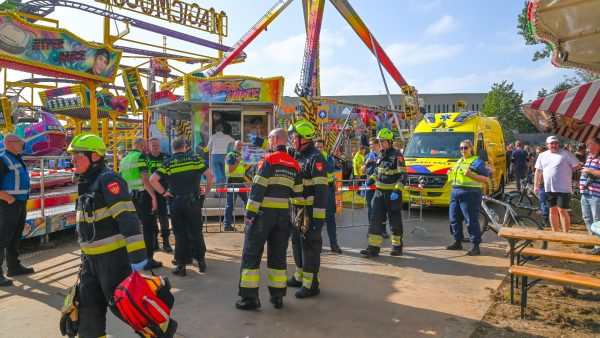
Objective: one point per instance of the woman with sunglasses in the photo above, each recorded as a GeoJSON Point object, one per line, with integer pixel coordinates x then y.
{"type": "Point", "coordinates": [467, 177]}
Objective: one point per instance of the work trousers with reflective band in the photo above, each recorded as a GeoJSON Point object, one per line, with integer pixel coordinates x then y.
{"type": "Point", "coordinates": [464, 205]}
{"type": "Point", "coordinates": [186, 216]}
{"type": "Point", "coordinates": [12, 223]}
{"type": "Point", "coordinates": [162, 213]}
{"type": "Point", "coordinates": [307, 256]}
{"type": "Point", "coordinates": [143, 207]}
{"type": "Point", "coordinates": [99, 276]}
{"type": "Point", "coordinates": [270, 226]}
{"type": "Point", "coordinates": [382, 207]}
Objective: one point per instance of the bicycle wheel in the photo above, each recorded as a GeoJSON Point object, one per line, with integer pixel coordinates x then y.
{"type": "Point", "coordinates": [484, 222]}
{"type": "Point", "coordinates": [529, 222]}
{"type": "Point", "coordinates": [575, 210]}
{"type": "Point", "coordinates": [521, 202]}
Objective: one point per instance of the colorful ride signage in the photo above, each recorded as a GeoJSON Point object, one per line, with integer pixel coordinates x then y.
{"type": "Point", "coordinates": [177, 11]}
{"type": "Point", "coordinates": [48, 50]}
{"type": "Point", "coordinates": [135, 91]}
{"type": "Point", "coordinates": [234, 89]}
{"type": "Point", "coordinates": [5, 115]}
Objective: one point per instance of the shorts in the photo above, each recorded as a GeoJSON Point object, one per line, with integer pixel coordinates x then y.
{"type": "Point", "coordinates": [562, 199]}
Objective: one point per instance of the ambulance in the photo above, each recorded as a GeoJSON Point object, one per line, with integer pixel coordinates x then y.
{"type": "Point", "coordinates": [434, 148]}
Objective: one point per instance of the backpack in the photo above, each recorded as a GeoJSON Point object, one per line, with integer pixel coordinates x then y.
{"type": "Point", "coordinates": [145, 303]}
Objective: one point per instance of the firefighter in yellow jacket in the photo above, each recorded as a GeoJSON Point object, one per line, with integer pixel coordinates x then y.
{"type": "Point", "coordinates": [108, 232]}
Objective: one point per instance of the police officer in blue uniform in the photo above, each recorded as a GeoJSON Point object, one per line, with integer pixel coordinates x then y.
{"type": "Point", "coordinates": [14, 192]}
{"type": "Point", "coordinates": [467, 177]}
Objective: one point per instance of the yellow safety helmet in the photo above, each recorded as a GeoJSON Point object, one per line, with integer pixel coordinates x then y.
{"type": "Point", "coordinates": [88, 142]}
{"type": "Point", "coordinates": [304, 129]}
{"type": "Point", "coordinates": [385, 134]}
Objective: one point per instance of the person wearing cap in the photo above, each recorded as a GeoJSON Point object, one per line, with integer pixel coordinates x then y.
{"type": "Point", "coordinates": [309, 210]}
{"type": "Point", "coordinates": [108, 231]}
{"type": "Point", "coordinates": [554, 167]}
{"type": "Point", "coordinates": [101, 61]}
{"type": "Point", "coordinates": [14, 193]}
{"type": "Point", "coordinates": [389, 178]}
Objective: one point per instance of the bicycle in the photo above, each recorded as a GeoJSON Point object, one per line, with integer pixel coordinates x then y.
{"type": "Point", "coordinates": [526, 200]}
{"type": "Point", "coordinates": [511, 218]}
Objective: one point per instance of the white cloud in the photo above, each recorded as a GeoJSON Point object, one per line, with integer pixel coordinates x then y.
{"type": "Point", "coordinates": [291, 49]}
{"type": "Point", "coordinates": [444, 25]}
{"type": "Point", "coordinates": [424, 5]}
{"type": "Point", "coordinates": [349, 81]}
{"type": "Point", "coordinates": [410, 54]}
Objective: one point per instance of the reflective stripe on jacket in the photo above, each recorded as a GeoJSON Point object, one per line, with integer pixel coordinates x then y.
{"type": "Point", "coordinates": [16, 182]}
{"type": "Point", "coordinates": [458, 176]}
{"type": "Point", "coordinates": [131, 168]}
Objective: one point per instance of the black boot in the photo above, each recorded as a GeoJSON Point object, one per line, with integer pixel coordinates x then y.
{"type": "Point", "coordinates": [152, 264]}
{"type": "Point", "coordinates": [277, 302]}
{"type": "Point", "coordinates": [202, 265]}
{"type": "Point", "coordinates": [457, 245]}
{"type": "Point", "coordinates": [370, 251]}
{"type": "Point", "coordinates": [396, 250]}
{"type": "Point", "coordinates": [248, 303]}
{"type": "Point", "coordinates": [474, 251]}
{"type": "Point", "coordinates": [180, 270]}
{"type": "Point", "coordinates": [293, 283]}
{"type": "Point", "coordinates": [166, 245]}
{"type": "Point", "coordinates": [5, 281]}
{"type": "Point", "coordinates": [335, 248]}
{"type": "Point", "coordinates": [305, 293]}
{"type": "Point", "coordinates": [19, 270]}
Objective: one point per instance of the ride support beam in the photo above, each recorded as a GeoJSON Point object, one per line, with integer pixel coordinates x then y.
{"type": "Point", "coordinates": [92, 86]}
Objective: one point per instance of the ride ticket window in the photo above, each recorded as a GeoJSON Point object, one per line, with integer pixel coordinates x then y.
{"type": "Point", "coordinates": [254, 124]}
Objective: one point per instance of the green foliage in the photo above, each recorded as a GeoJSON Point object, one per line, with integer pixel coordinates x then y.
{"type": "Point", "coordinates": [504, 103]}
{"type": "Point", "coordinates": [525, 32]}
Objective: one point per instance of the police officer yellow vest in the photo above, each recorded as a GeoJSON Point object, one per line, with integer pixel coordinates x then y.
{"type": "Point", "coordinates": [239, 171]}
{"type": "Point", "coordinates": [458, 177]}
{"type": "Point", "coordinates": [329, 175]}
{"type": "Point", "coordinates": [130, 171]}
{"type": "Point", "coordinates": [357, 162]}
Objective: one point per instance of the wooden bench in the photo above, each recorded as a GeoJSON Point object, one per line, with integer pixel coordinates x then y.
{"type": "Point", "coordinates": [520, 240]}
{"type": "Point", "coordinates": [555, 276]}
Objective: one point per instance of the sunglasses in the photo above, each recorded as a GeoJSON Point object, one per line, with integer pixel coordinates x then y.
{"type": "Point", "coordinates": [464, 148]}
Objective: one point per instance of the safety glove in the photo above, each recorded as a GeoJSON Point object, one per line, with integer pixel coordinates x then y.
{"type": "Point", "coordinates": [139, 266]}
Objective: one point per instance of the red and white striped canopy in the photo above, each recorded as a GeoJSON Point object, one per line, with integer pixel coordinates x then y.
{"type": "Point", "coordinates": [572, 113]}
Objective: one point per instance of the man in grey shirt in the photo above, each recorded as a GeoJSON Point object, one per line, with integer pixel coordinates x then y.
{"type": "Point", "coordinates": [555, 167]}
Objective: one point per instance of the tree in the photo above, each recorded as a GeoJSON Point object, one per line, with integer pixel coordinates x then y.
{"type": "Point", "coordinates": [525, 32]}
{"type": "Point", "coordinates": [504, 103]}
{"type": "Point", "coordinates": [567, 83]}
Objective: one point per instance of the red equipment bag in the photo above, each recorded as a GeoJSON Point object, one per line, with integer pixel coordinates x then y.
{"type": "Point", "coordinates": [145, 303]}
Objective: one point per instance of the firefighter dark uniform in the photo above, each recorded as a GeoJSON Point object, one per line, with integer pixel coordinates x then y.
{"type": "Point", "coordinates": [14, 180]}
{"type": "Point", "coordinates": [235, 179]}
{"type": "Point", "coordinates": [183, 172]}
{"type": "Point", "coordinates": [162, 211]}
{"type": "Point", "coordinates": [313, 199]}
{"type": "Point", "coordinates": [108, 231]}
{"type": "Point", "coordinates": [389, 179]}
{"type": "Point", "coordinates": [131, 168]}
{"type": "Point", "coordinates": [277, 178]}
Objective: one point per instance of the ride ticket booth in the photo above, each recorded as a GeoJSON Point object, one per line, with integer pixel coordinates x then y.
{"type": "Point", "coordinates": [240, 106]}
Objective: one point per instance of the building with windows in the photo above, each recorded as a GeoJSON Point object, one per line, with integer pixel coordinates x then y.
{"type": "Point", "coordinates": [434, 103]}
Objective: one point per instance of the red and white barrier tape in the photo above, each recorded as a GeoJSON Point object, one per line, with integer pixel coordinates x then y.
{"type": "Point", "coordinates": [52, 172]}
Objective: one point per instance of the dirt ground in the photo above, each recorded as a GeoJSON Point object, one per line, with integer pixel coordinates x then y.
{"type": "Point", "coordinates": [552, 311]}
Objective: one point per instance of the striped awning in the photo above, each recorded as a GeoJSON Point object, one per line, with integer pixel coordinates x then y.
{"type": "Point", "coordinates": [572, 113]}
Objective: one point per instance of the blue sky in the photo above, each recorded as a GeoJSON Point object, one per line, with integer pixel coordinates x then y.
{"type": "Point", "coordinates": [439, 46]}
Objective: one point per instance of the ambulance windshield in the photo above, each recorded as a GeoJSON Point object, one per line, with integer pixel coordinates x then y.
{"type": "Point", "coordinates": [436, 144]}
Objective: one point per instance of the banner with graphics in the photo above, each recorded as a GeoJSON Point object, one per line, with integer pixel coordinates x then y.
{"type": "Point", "coordinates": [55, 50]}
{"type": "Point", "coordinates": [234, 89]}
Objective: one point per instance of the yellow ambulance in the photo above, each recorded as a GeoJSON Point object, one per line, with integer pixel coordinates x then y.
{"type": "Point", "coordinates": [434, 148]}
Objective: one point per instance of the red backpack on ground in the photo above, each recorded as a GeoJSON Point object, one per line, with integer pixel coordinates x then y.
{"type": "Point", "coordinates": [146, 303]}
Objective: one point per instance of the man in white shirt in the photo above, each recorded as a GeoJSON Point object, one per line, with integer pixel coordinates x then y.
{"type": "Point", "coordinates": [555, 167]}
{"type": "Point", "coordinates": [217, 147]}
